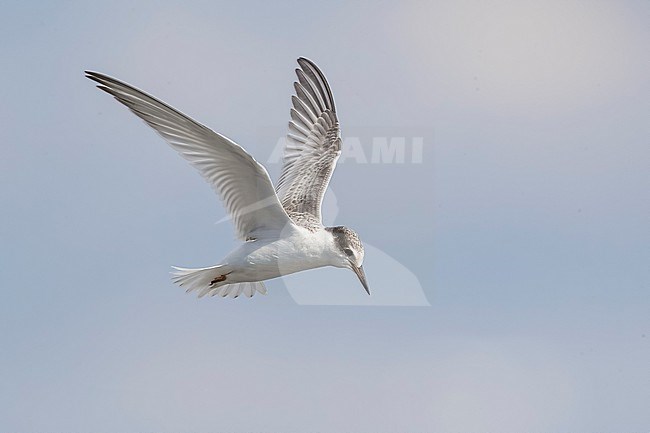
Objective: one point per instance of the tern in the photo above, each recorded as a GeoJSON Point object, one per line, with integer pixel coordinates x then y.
{"type": "Point", "coordinates": [281, 228]}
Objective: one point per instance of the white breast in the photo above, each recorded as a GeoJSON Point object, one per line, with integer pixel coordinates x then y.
{"type": "Point", "coordinates": [265, 259]}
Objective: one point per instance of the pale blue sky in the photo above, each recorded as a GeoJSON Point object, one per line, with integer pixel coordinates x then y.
{"type": "Point", "coordinates": [526, 224]}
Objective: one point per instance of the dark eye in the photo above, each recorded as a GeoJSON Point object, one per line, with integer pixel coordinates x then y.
{"type": "Point", "coordinates": [348, 251]}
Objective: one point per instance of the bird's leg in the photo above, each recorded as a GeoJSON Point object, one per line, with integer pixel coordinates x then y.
{"type": "Point", "coordinates": [218, 279]}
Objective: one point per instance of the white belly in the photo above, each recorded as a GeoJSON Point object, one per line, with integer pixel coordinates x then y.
{"type": "Point", "coordinates": [266, 259]}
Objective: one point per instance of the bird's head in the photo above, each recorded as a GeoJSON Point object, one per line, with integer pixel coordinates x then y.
{"type": "Point", "coordinates": [349, 252]}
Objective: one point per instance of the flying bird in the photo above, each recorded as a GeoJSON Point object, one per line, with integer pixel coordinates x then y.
{"type": "Point", "coordinates": [281, 228]}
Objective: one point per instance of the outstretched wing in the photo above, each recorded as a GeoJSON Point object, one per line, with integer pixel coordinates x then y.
{"type": "Point", "coordinates": [313, 146]}
{"type": "Point", "coordinates": [241, 182]}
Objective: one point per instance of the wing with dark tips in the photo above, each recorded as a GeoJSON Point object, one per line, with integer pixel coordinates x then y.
{"type": "Point", "coordinates": [313, 145]}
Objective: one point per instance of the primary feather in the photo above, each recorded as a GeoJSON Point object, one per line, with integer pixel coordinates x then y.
{"type": "Point", "coordinates": [242, 183]}
{"type": "Point", "coordinates": [312, 149]}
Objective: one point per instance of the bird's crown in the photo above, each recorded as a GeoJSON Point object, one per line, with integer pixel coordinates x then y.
{"type": "Point", "coordinates": [348, 241]}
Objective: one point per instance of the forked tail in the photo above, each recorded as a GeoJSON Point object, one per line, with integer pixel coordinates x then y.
{"type": "Point", "coordinates": [214, 281]}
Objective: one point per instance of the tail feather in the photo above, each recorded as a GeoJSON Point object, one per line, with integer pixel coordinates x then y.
{"type": "Point", "coordinates": [202, 280]}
